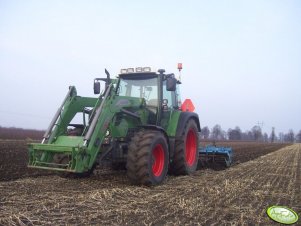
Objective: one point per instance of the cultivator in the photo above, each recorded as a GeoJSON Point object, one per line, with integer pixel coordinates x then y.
{"type": "Point", "coordinates": [212, 154]}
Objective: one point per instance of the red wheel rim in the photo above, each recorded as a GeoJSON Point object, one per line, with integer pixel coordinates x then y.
{"type": "Point", "coordinates": [191, 146]}
{"type": "Point", "coordinates": [158, 160]}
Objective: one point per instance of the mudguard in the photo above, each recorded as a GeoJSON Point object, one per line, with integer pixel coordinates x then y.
{"type": "Point", "coordinates": [184, 117]}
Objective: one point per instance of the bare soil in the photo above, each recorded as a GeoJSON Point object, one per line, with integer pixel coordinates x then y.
{"type": "Point", "coordinates": [14, 156]}
{"type": "Point", "coordinates": [14, 159]}
{"type": "Point", "coordinates": [239, 195]}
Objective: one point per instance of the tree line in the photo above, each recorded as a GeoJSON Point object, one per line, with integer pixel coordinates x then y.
{"type": "Point", "coordinates": [254, 134]}
{"type": "Point", "coordinates": [216, 133]}
{"type": "Point", "coordinates": [20, 134]}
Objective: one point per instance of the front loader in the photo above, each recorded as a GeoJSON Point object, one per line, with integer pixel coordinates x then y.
{"type": "Point", "coordinates": [137, 122]}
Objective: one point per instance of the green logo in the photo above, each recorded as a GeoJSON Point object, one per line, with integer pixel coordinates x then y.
{"type": "Point", "coordinates": [282, 214]}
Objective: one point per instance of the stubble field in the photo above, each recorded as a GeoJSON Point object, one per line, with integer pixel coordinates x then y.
{"type": "Point", "coordinates": [262, 175]}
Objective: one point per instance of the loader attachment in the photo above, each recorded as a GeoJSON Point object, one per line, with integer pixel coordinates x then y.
{"type": "Point", "coordinates": [65, 154]}
{"type": "Point", "coordinates": [73, 147]}
{"type": "Point", "coordinates": [212, 154]}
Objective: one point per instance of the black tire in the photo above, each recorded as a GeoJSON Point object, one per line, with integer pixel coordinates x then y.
{"type": "Point", "coordinates": [148, 158]}
{"type": "Point", "coordinates": [185, 159]}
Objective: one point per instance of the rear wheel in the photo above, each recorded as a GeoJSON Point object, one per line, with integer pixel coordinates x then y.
{"type": "Point", "coordinates": [186, 150]}
{"type": "Point", "coordinates": [148, 157]}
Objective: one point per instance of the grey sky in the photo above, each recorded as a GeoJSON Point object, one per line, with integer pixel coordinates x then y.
{"type": "Point", "coordinates": [241, 59]}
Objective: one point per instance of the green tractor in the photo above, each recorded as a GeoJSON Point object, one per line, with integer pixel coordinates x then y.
{"type": "Point", "coordinates": [136, 122]}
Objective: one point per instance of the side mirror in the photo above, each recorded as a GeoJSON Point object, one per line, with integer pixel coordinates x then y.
{"type": "Point", "coordinates": [96, 87]}
{"type": "Point", "coordinates": [171, 84]}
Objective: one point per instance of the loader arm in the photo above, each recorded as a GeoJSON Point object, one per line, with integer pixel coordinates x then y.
{"type": "Point", "coordinates": [63, 152]}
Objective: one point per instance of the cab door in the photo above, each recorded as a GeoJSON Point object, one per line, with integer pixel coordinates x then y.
{"type": "Point", "coordinates": [169, 104]}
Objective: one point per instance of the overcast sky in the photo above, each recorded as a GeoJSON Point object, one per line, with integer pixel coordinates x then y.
{"type": "Point", "coordinates": [241, 59]}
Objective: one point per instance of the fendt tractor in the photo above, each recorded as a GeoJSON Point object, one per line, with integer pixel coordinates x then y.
{"type": "Point", "coordinates": [138, 122]}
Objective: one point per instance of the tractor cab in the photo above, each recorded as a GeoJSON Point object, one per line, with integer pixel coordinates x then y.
{"type": "Point", "coordinates": [159, 91]}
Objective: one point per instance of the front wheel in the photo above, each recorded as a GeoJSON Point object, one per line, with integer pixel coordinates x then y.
{"type": "Point", "coordinates": [148, 157]}
{"type": "Point", "coordinates": [185, 159]}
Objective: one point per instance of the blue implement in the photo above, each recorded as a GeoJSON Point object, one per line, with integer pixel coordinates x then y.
{"type": "Point", "coordinates": [217, 155]}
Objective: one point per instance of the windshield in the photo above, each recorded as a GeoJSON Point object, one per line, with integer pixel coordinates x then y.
{"type": "Point", "coordinates": [142, 88]}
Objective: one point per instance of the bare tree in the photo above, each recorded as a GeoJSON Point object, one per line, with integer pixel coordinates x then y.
{"type": "Point", "coordinates": [234, 134]}
{"type": "Point", "coordinates": [230, 134]}
{"type": "Point", "coordinates": [224, 135]}
{"type": "Point", "coordinates": [281, 137]}
{"type": "Point", "coordinates": [265, 137]}
{"type": "Point", "coordinates": [205, 132]}
{"type": "Point", "coordinates": [290, 136]}
{"type": "Point", "coordinates": [216, 132]}
{"type": "Point", "coordinates": [248, 135]}
{"type": "Point", "coordinates": [272, 137]}
{"type": "Point", "coordinates": [257, 133]}
{"type": "Point", "coordinates": [298, 137]}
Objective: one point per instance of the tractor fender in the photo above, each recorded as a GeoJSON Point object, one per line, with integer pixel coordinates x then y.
{"type": "Point", "coordinates": [153, 127]}
{"type": "Point", "coordinates": [183, 119]}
